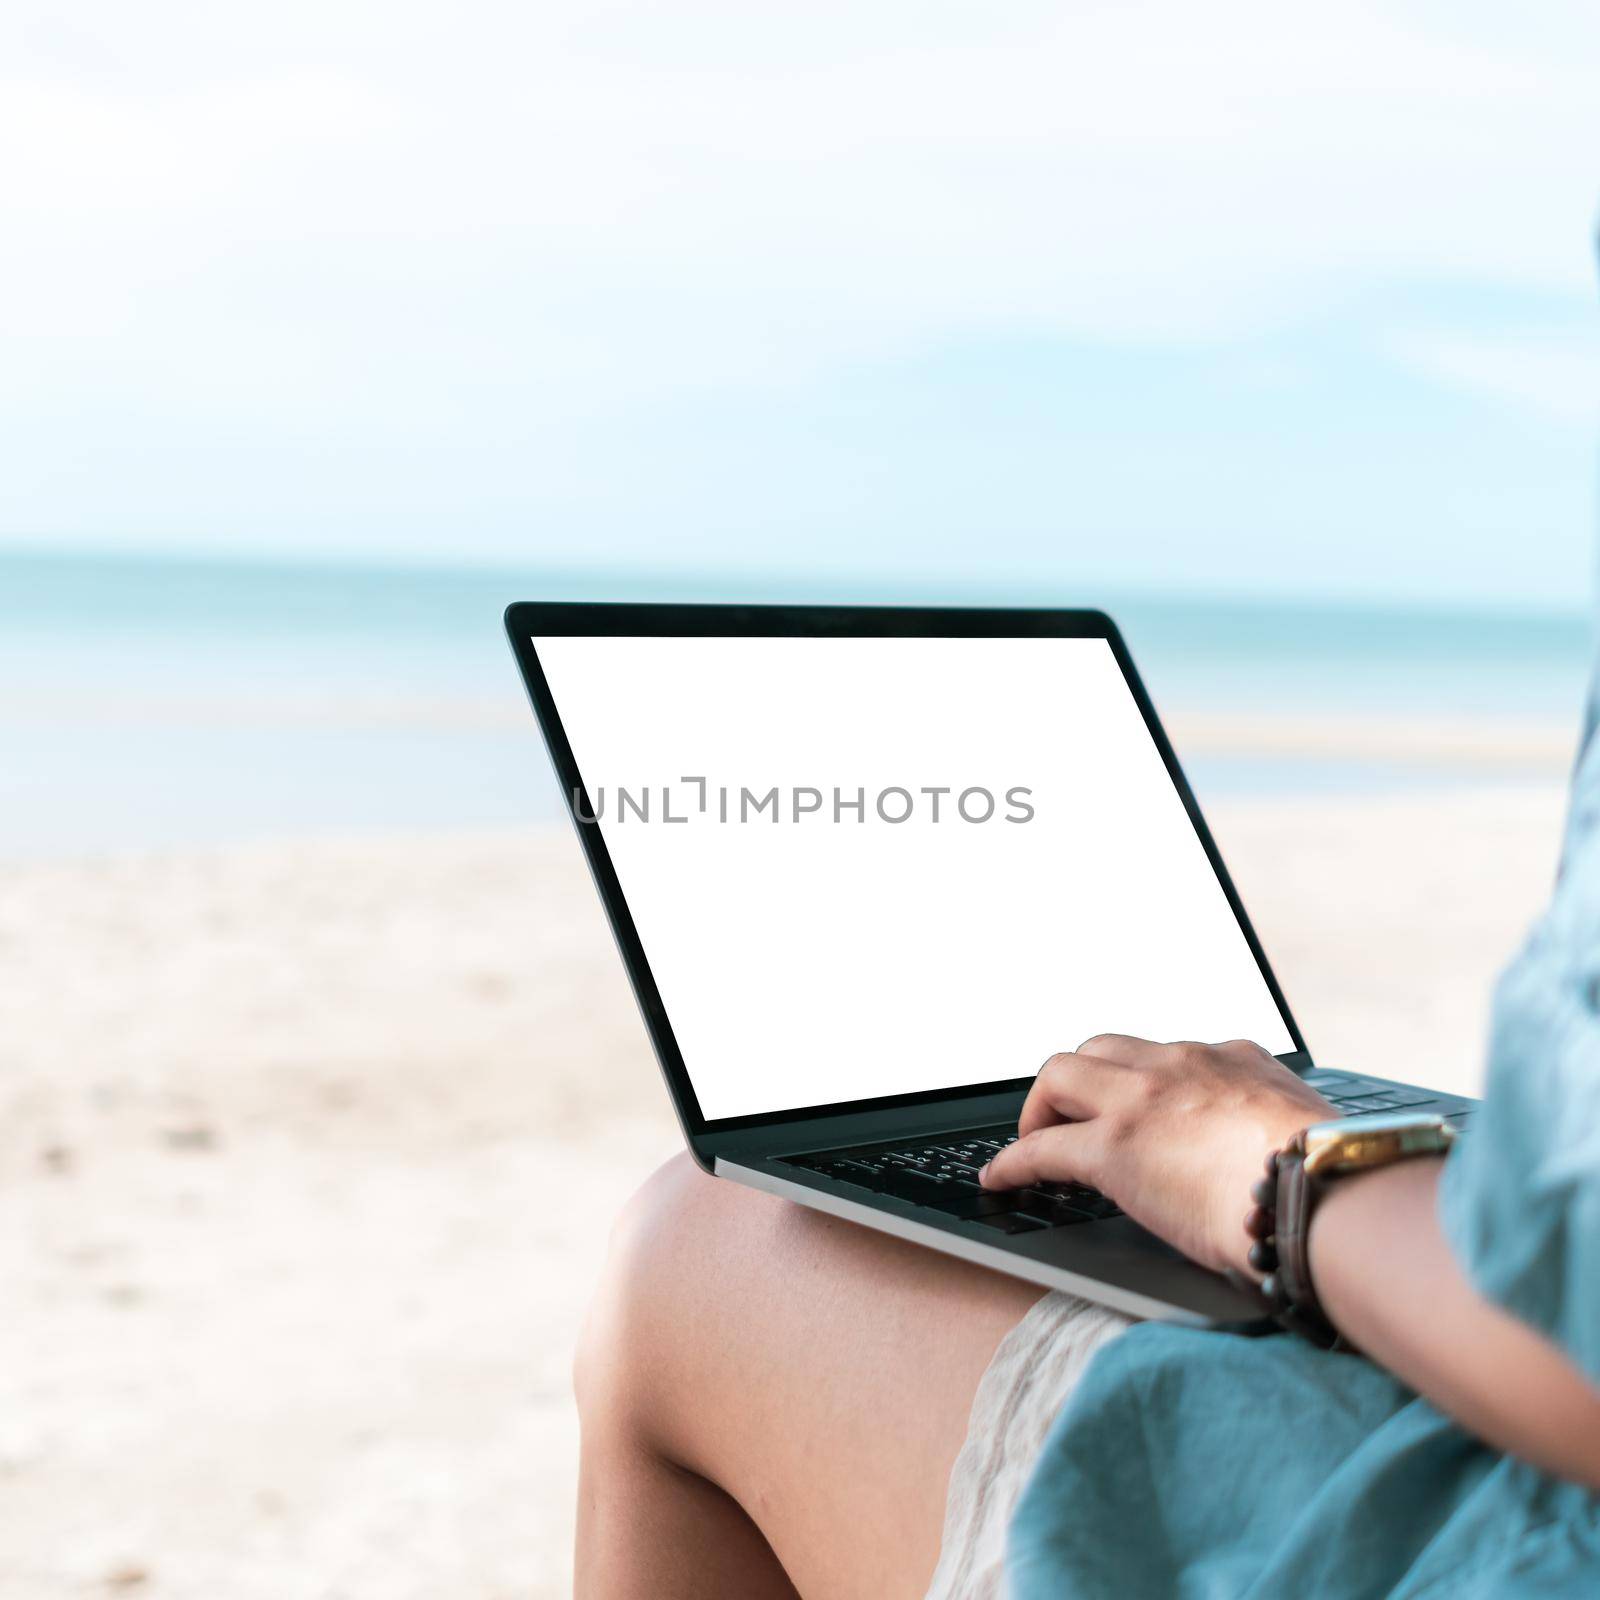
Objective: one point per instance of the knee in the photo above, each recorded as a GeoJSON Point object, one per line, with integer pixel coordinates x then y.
{"type": "Point", "coordinates": [637, 1315]}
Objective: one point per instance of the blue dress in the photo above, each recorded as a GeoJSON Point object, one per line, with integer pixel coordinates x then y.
{"type": "Point", "coordinates": [1200, 1464]}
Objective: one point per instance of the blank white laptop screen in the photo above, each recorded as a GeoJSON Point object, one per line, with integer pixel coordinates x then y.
{"type": "Point", "coordinates": [802, 831]}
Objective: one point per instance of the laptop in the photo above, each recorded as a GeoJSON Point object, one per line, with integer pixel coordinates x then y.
{"type": "Point", "coordinates": [868, 867]}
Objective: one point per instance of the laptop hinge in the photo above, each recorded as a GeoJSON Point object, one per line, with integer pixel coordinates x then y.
{"type": "Point", "coordinates": [858, 1127]}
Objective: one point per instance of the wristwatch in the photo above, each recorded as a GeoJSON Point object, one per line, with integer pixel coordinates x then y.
{"type": "Point", "coordinates": [1297, 1178]}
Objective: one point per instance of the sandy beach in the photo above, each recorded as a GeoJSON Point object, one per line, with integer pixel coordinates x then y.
{"type": "Point", "coordinates": [307, 1151]}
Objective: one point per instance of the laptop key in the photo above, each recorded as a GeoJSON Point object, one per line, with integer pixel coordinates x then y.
{"type": "Point", "coordinates": [1013, 1222]}
{"type": "Point", "coordinates": [917, 1186]}
{"type": "Point", "coordinates": [1084, 1203]}
{"type": "Point", "coordinates": [972, 1205]}
{"type": "Point", "coordinates": [1052, 1210]}
{"type": "Point", "coordinates": [856, 1172]}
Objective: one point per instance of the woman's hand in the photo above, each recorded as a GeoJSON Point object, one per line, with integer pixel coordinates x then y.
{"type": "Point", "coordinates": [1174, 1133]}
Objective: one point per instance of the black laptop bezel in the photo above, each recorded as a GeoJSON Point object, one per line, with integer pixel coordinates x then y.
{"type": "Point", "coordinates": [524, 620]}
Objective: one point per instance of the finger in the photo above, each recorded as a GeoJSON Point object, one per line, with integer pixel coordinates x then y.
{"type": "Point", "coordinates": [1071, 1087]}
{"type": "Point", "coordinates": [1062, 1154]}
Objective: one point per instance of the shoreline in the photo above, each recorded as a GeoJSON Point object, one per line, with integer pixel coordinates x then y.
{"type": "Point", "coordinates": [225, 774]}
{"type": "Point", "coordinates": [1332, 733]}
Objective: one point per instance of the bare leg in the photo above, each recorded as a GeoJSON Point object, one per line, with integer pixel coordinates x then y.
{"type": "Point", "coordinates": [772, 1399]}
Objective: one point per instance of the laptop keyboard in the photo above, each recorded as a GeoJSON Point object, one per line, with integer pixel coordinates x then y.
{"type": "Point", "coordinates": [942, 1174]}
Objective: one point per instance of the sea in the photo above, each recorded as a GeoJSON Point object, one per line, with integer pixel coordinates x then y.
{"type": "Point", "coordinates": [162, 703]}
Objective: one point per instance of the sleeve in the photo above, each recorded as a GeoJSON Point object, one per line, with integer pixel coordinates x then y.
{"type": "Point", "coordinates": [1520, 1199]}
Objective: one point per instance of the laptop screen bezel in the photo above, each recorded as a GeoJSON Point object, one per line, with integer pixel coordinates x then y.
{"type": "Point", "coordinates": [526, 620]}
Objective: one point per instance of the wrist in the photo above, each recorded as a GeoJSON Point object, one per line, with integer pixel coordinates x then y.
{"type": "Point", "coordinates": [1355, 1210]}
{"type": "Point", "coordinates": [1324, 1160]}
{"type": "Point", "coordinates": [1235, 1200]}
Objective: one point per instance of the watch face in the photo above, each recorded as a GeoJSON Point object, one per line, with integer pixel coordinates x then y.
{"type": "Point", "coordinates": [1355, 1144]}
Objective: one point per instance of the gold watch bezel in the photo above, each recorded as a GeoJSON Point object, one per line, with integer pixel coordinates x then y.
{"type": "Point", "coordinates": [1358, 1144]}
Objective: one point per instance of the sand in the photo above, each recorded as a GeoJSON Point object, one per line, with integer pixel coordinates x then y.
{"type": "Point", "coordinates": [307, 1151]}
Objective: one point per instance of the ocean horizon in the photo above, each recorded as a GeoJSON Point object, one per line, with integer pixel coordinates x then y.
{"type": "Point", "coordinates": [154, 702]}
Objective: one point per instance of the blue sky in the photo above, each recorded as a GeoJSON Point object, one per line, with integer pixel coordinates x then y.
{"type": "Point", "coordinates": [1242, 298]}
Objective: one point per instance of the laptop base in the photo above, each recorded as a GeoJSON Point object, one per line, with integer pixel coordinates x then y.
{"type": "Point", "coordinates": [1106, 1258]}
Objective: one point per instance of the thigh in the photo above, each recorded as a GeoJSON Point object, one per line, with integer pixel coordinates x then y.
{"type": "Point", "coordinates": [820, 1372]}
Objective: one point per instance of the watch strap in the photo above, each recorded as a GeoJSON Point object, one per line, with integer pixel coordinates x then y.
{"type": "Point", "coordinates": [1289, 1286]}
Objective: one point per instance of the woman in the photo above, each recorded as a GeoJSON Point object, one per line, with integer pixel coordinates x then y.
{"type": "Point", "coordinates": [775, 1402]}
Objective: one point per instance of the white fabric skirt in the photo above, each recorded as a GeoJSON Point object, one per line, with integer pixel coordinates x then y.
{"type": "Point", "coordinates": [1033, 1370]}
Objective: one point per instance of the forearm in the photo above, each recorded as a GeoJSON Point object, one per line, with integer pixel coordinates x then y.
{"type": "Point", "coordinates": [1390, 1283]}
